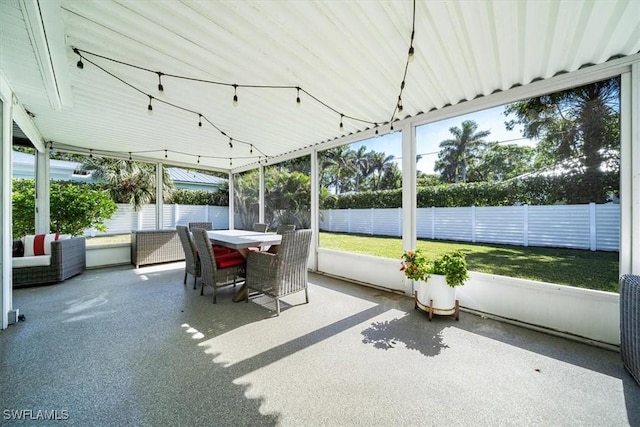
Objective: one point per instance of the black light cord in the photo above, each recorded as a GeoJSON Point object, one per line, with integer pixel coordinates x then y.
{"type": "Point", "coordinates": [399, 106]}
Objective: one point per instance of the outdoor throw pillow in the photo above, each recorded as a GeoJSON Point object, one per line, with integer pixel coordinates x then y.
{"type": "Point", "coordinates": [18, 248]}
{"type": "Point", "coordinates": [39, 244]}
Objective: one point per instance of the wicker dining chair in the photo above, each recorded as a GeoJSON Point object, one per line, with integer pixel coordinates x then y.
{"type": "Point", "coordinates": [284, 273]}
{"type": "Point", "coordinates": [217, 271]}
{"type": "Point", "coordinates": [205, 225]}
{"type": "Point", "coordinates": [259, 227]}
{"type": "Point", "coordinates": [191, 259]}
{"type": "Point", "coordinates": [282, 228]}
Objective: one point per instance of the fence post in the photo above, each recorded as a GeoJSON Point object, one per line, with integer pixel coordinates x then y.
{"type": "Point", "coordinates": [433, 222]}
{"type": "Point", "coordinates": [592, 226]}
{"type": "Point", "coordinates": [349, 220]}
{"type": "Point", "coordinates": [206, 214]}
{"type": "Point", "coordinates": [400, 222]}
{"type": "Point", "coordinates": [140, 219]}
{"type": "Point", "coordinates": [473, 223]}
{"type": "Point", "coordinates": [525, 214]}
{"type": "Point", "coordinates": [372, 226]}
{"type": "Point", "coordinates": [176, 212]}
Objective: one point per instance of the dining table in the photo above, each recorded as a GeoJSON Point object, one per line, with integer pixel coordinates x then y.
{"type": "Point", "coordinates": [242, 240]}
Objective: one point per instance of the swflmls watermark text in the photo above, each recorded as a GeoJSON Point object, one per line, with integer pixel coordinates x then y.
{"type": "Point", "coordinates": [36, 414]}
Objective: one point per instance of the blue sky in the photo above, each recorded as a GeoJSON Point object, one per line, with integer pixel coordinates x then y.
{"type": "Point", "coordinates": [429, 136]}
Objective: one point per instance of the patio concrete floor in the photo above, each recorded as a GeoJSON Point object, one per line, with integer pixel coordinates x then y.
{"type": "Point", "coordinates": [120, 346]}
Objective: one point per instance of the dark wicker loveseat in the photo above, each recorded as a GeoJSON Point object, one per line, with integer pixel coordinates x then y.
{"type": "Point", "coordinates": [68, 258]}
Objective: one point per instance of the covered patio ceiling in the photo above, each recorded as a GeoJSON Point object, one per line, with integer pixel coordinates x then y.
{"type": "Point", "coordinates": [348, 59]}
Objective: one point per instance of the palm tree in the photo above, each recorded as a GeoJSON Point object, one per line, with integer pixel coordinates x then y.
{"type": "Point", "coordinates": [336, 168]}
{"type": "Point", "coordinates": [128, 181]}
{"type": "Point", "coordinates": [380, 164]}
{"type": "Point", "coordinates": [456, 154]}
{"type": "Point", "coordinates": [360, 160]}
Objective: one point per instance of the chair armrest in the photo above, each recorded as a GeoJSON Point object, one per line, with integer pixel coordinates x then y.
{"type": "Point", "coordinates": [69, 256]}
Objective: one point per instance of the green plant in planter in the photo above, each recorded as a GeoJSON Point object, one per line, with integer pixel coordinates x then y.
{"type": "Point", "coordinates": [415, 265]}
{"type": "Point", "coordinates": [452, 265]}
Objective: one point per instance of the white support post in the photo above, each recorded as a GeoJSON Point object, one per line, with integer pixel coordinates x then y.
{"type": "Point", "coordinates": [634, 118]}
{"type": "Point", "coordinates": [43, 210]}
{"type": "Point", "coordinates": [159, 196]}
{"type": "Point", "coordinates": [315, 210]}
{"type": "Point", "coordinates": [261, 194]}
{"type": "Point", "coordinates": [6, 143]}
{"type": "Point", "coordinates": [232, 195]}
{"type": "Point", "coordinates": [409, 193]}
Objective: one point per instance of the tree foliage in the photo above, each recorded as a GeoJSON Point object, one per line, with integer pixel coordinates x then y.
{"type": "Point", "coordinates": [129, 181]}
{"type": "Point", "coordinates": [74, 207]}
{"type": "Point", "coordinates": [458, 153]}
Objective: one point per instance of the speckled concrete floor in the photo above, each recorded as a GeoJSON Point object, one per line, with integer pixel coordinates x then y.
{"type": "Point", "coordinates": [121, 346]}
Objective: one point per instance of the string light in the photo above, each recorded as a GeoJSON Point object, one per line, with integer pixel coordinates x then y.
{"type": "Point", "coordinates": [230, 142]}
{"type": "Point", "coordinates": [341, 124]}
{"type": "Point", "coordinates": [376, 128]}
{"type": "Point", "coordinates": [165, 154]}
{"type": "Point", "coordinates": [198, 159]}
{"type": "Point", "coordinates": [200, 121]}
{"type": "Point", "coordinates": [160, 87]}
{"type": "Point", "coordinates": [90, 154]}
{"type": "Point", "coordinates": [411, 53]}
{"type": "Point", "coordinates": [230, 162]}
{"type": "Point", "coordinates": [129, 155]}
{"type": "Point", "coordinates": [251, 149]}
{"type": "Point", "coordinates": [298, 98]}
{"type": "Point", "coordinates": [150, 107]}
{"type": "Point", "coordinates": [391, 127]}
{"type": "Point", "coordinates": [399, 104]}
{"type": "Point", "coordinates": [79, 64]}
{"type": "Point", "coordinates": [235, 95]}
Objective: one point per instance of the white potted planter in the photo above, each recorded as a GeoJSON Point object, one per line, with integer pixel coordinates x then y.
{"type": "Point", "coordinates": [435, 296]}
{"type": "Point", "coordinates": [435, 280]}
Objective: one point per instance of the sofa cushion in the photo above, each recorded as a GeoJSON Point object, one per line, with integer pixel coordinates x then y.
{"type": "Point", "coordinates": [18, 248]}
{"type": "Point", "coordinates": [31, 261]}
{"type": "Point", "coordinates": [40, 244]}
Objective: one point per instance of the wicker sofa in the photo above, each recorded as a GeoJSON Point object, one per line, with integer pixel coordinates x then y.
{"type": "Point", "coordinates": [68, 258]}
{"type": "Point", "coordinates": [155, 246]}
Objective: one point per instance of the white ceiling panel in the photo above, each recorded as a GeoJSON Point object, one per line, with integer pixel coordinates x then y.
{"type": "Point", "coordinates": [348, 55]}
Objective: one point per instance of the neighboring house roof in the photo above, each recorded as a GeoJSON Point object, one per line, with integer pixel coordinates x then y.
{"type": "Point", "coordinates": [184, 175]}
{"type": "Point", "coordinates": [178, 175]}
{"type": "Point", "coordinates": [29, 160]}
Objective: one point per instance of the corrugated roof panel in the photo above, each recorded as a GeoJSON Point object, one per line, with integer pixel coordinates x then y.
{"type": "Point", "coordinates": [350, 55]}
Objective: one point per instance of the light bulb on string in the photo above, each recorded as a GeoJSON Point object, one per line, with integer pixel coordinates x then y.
{"type": "Point", "coordinates": [411, 54]}
{"type": "Point", "coordinates": [90, 153]}
{"type": "Point", "coordinates": [200, 121]}
{"type": "Point", "coordinates": [129, 155]}
{"type": "Point", "coordinates": [391, 127]}
{"type": "Point", "coordinates": [341, 124]}
{"type": "Point", "coordinates": [400, 108]}
{"type": "Point", "coordinates": [230, 162]}
{"type": "Point", "coordinates": [235, 95]}
{"type": "Point", "coordinates": [251, 149]}
{"type": "Point", "coordinates": [198, 160]}
{"type": "Point", "coordinates": [79, 64]}
{"type": "Point", "coordinates": [160, 87]}
{"type": "Point", "coordinates": [298, 98]}
{"type": "Point", "coordinates": [165, 154]}
{"type": "Point", "coordinates": [230, 142]}
{"type": "Point", "coordinates": [150, 107]}
{"type": "Point", "coordinates": [376, 129]}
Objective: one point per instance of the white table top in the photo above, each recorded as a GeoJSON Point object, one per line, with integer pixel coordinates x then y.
{"type": "Point", "coordinates": [239, 239]}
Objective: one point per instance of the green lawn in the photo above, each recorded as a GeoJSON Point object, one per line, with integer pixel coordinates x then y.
{"type": "Point", "coordinates": [574, 267]}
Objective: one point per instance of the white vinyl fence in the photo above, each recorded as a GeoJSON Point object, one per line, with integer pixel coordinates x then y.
{"type": "Point", "coordinates": [126, 219]}
{"type": "Point", "coordinates": [589, 226]}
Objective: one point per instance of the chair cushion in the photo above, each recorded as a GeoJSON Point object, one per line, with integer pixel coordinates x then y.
{"type": "Point", "coordinates": [230, 260]}
{"type": "Point", "coordinates": [220, 250]}
{"type": "Point", "coordinates": [31, 261]}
